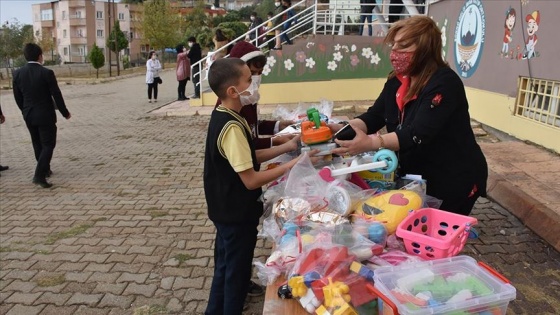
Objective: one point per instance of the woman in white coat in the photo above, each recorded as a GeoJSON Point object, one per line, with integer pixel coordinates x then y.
{"type": "Point", "coordinates": [153, 66]}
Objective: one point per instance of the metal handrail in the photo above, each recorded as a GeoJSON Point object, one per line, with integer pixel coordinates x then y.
{"type": "Point", "coordinates": [334, 16]}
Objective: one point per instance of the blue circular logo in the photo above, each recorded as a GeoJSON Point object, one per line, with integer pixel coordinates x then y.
{"type": "Point", "coordinates": [469, 37]}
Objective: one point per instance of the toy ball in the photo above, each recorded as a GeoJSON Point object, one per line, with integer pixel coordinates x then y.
{"type": "Point", "coordinates": [390, 207]}
{"type": "Point", "coordinates": [377, 233]}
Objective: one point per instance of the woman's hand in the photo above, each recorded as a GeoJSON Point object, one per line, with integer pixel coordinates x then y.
{"type": "Point", "coordinates": [360, 144]}
{"type": "Point", "coordinates": [335, 127]}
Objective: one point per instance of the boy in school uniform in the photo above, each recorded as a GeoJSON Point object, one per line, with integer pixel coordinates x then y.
{"type": "Point", "coordinates": [232, 185]}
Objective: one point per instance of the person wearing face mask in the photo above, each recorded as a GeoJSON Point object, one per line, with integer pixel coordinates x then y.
{"type": "Point", "coordinates": [255, 29]}
{"type": "Point", "coordinates": [195, 54]}
{"type": "Point", "coordinates": [424, 108]}
{"type": "Point", "coordinates": [153, 66]}
{"type": "Point", "coordinates": [232, 186]}
{"type": "Point", "coordinates": [278, 23]}
{"type": "Point", "coordinates": [256, 60]}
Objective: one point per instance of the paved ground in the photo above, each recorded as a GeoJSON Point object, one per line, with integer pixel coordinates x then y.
{"type": "Point", "coordinates": [125, 231]}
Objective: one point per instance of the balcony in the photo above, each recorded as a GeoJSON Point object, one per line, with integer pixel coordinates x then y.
{"type": "Point", "coordinates": [77, 3]}
{"type": "Point", "coordinates": [75, 40]}
{"type": "Point", "coordinates": [47, 23]}
{"type": "Point", "coordinates": [77, 21]}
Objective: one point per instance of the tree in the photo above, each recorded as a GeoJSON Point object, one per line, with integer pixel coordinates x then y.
{"type": "Point", "coordinates": [264, 7]}
{"type": "Point", "coordinates": [46, 42]}
{"type": "Point", "coordinates": [13, 37]}
{"type": "Point", "coordinates": [161, 24]}
{"type": "Point", "coordinates": [96, 58]}
{"type": "Point", "coordinates": [116, 42]}
{"type": "Point", "coordinates": [196, 22]}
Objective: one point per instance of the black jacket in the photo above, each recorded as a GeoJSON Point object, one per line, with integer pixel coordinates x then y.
{"type": "Point", "coordinates": [436, 139]}
{"type": "Point", "coordinates": [37, 94]}
{"type": "Point", "coordinates": [195, 53]}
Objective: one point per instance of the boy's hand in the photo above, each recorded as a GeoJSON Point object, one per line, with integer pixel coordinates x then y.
{"type": "Point", "coordinates": [293, 143]}
{"type": "Point", "coordinates": [278, 140]}
{"type": "Point", "coordinates": [285, 123]}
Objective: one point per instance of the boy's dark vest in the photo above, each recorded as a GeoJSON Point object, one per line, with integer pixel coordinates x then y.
{"type": "Point", "coordinates": [229, 201]}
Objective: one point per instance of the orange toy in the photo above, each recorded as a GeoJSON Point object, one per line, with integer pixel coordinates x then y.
{"type": "Point", "coordinates": [314, 131]}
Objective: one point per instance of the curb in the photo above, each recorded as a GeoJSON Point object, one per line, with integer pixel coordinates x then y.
{"type": "Point", "coordinates": [534, 214]}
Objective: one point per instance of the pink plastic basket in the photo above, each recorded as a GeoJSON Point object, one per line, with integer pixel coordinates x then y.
{"type": "Point", "coordinates": [432, 233]}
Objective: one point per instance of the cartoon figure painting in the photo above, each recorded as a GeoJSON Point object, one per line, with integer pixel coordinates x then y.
{"type": "Point", "coordinates": [509, 24]}
{"type": "Point", "coordinates": [533, 21]}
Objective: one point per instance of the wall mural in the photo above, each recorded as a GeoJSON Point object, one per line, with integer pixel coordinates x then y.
{"type": "Point", "coordinates": [444, 36]}
{"type": "Point", "coordinates": [469, 37]}
{"type": "Point", "coordinates": [525, 47]}
{"type": "Point", "coordinates": [323, 58]}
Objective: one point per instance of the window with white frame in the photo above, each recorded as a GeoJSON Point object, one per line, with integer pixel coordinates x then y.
{"type": "Point", "coordinates": [539, 100]}
{"type": "Point", "coordinates": [64, 33]}
{"type": "Point", "coordinates": [64, 15]}
{"type": "Point", "coordinates": [99, 15]}
{"type": "Point", "coordinates": [121, 16]}
{"type": "Point", "coordinates": [47, 15]}
{"type": "Point", "coordinates": [65, 51]}
{"type": "Point", "coordinates": [99, 33]}
{"type": "Point", "coordinates": [81, 51]}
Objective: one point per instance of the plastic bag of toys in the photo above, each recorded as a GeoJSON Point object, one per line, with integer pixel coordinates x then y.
{"type": "Point", "coordinates": [298, 114]}
{"type": "Point", "coordinates": [329, 280]}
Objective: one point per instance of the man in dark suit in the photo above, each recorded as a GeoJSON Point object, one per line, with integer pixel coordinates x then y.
{"type": "Point", "coordinates": [37, 96]}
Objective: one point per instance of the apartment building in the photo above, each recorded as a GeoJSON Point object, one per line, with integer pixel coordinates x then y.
{"type": "Point", "coordinates": [75, 25]}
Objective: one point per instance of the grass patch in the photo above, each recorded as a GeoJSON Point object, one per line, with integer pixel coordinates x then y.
{"type": "Point", "coordinates": [5, 249]}
{"type": "Point", "coordinates": [123, 137]}
{"type": "Point", "coordinates": [41, 251]}
{"type": "Point", "coordinates": [73, 159]}
{"type": "Point", "coordinates": [51, 239]}
{"type": "Point", "coordinates": [51, 281]}
{"type": "Point", "coordinates": [157, 214]}
{"type": "Point", "coordinates": [151, 310]}
{"type": "Point", "coordinates": [99, 164]}
{"type": "Point", "coordinates": [181, 258]}
{"type": "Point", "coordinates": [100, 219]}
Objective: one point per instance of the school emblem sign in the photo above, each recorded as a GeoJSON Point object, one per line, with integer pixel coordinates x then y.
{"type": "Point", "coordinates": [469, 37]}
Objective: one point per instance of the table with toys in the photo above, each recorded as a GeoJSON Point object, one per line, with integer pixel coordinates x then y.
{"type": "Point", "coordinates": [350, 238]}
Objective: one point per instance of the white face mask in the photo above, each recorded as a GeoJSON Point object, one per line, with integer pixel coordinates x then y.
{"type": "Point", "coordinates": [277, 4]}
{"type": "Point", "coordinates": [255, 96]}
{"type": "Point", "coordinates": [190, 44]}
{"type": "Point", "coordinates": [252, 18]}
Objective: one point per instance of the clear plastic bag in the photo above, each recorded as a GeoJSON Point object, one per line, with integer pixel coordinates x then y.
{"type": "Point", "coordinates": [298, 114]}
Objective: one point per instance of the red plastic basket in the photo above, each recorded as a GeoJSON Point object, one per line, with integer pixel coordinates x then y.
{"type": "Point", "coordinates": [432, 233]}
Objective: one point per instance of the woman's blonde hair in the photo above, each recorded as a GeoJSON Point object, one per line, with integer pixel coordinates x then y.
{"type": "Point", "coordinates": [423, 32]}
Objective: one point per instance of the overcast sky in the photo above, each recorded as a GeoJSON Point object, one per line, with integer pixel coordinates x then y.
{"type": "Point", "coordinates": [18, 9]}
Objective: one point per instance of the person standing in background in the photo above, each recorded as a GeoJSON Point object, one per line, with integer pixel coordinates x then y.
{"type": "Point", "coordinates": [254, 29]}
{"type": "Point", "coordinates": [270, 31]}
{"type": "Point", "coordinates": [152, 75]}
{"type": "Point", "coordinates": [395, 10]}
{"type": "Point", "coordinates": [37, 95]}
{"type": "Point", "coordinates": [220, 40]}
{"type": "Point", "coordinates": [366, 8]}
{"type": "Point", "coordinates": [195, 54]}
{"type": "Point", "coordinates": [182, 71]}
{"type": "Point", "coordinates": [2, 120]}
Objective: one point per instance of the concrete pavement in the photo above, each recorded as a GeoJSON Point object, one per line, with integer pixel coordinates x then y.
{"type": "Point", "coordinates": [125, 231]}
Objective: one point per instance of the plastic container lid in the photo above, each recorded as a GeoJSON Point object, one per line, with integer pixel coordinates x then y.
{"type": "Point", "coordinates": [442, 286]}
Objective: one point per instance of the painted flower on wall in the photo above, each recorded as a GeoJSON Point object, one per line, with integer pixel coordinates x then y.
{"type": "Point", "coordinates": [366, 52]}
{"type": "Point", "coordinates": [288, 64]}
{"type": "Point", "coordinates": [300, 56]}
{"type": "Point", "coordinates": [337, 56]}
{"type": "Point", "coordinates": [266, 70]}
{"type": "Point", "coordinates": [309, 63]}
{"type": "Point", "coordinates": [332, 65]}
{"type": "Point", "coordinates": [375, 59]}
{"type": "Point", "coordinates": [271, 61]}
{"type": "Point", "coordinates": [309, 45]}
{"type": "Point", "coordinates": [353, 48]}
{"type": "Point", "coordinates": [345, 48]}
{"type": "Point", "coordinates": [337, 47]}
{"type": "Point", "coordinates": [354, 60]}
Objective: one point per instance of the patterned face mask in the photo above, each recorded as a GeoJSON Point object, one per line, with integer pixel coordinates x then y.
{"type": "Point", "coordinates": [401, 61]}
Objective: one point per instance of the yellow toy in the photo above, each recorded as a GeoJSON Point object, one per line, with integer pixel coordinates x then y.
{"type": "Point", "coordinates": [297, 286]}
{"type": "Point", "coordinates": [390, 207]}
{"type": "Point", "coordinates": [336, 294]}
